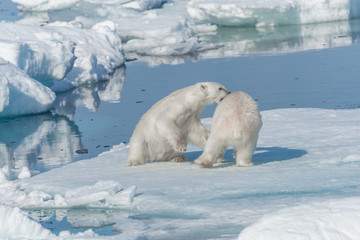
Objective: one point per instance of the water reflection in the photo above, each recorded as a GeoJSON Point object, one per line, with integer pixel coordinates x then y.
{"type": "Point", "coordinates": [242, 41]}
{"type": "Point", "coordinates": [43, 140]}
{"type": "Point", "coordinates": [91, 95]}
{"type": "Point", "coordinates": [284, 39]}
{"type": "Point", "coordinates": [50, 140]}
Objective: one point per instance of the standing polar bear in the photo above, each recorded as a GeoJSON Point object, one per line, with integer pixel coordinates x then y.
{"type": "Point", "coordinates": [236, 123]}
{"type": "Point", "coordinates": [165, 129]}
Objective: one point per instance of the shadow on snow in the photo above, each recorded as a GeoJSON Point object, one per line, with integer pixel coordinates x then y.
{"type": "Point", "coordinates": [262, 155]}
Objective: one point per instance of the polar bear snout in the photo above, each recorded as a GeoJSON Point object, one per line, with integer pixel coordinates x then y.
{"type": "Point", "coordinates": [226, 92]}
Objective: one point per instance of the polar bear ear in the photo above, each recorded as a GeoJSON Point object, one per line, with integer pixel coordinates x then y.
{"type": "Point", "coordinates": [203, 88]}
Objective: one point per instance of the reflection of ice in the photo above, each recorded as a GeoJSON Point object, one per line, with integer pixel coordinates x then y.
{"type": "Point", "coordinates": [51, 140]}
{"type": "Point", "coordinates": [278, 40]}
{"type": "Point", "coordinates": [91, 95]}
{"type": "Point", "coordinates": [237, 41]}
{"type": "Point", "coordinates": [44, 139]}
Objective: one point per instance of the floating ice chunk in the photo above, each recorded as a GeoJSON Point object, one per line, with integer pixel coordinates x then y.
{"type": "Point", "coordinates": [170, 46]}
{"type": "Point", "coordinates": [145, 4]}
{"type": "Point", "coordinates": [91, 194]}
{"type": "Point", "coordinates": [270, 13]}
{"type": "Point", "coordinates": [335, 219]}
{"type": "Point", "coordinates": [122, 198]}
{"type": "Point", "coordinates": [20, 94]}
{"type": "Point", "coordinates": [44, 5]}
{"type": "Point", "coordinates": [43, 53]}
{"type": "Point", "coordinates": [16, 225]}
{"type": "Point", "coordinates": [54, 52]}
{"type": "Point", "coordinates": [98, 53]}
{"type": "Point", "coordinates": [103, 194]}
{"type": "Point", "coordinates": [88, 234]}
{"type": "Point", "coordinates": [24, 173]}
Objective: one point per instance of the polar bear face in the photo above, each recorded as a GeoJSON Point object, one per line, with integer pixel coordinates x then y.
{"type": "Point", "coordinates": [213, 92]}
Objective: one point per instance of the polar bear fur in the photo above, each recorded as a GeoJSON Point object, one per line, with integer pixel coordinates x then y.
{"type": "Point", "coordinates": [165, 129]}
{"type": "Point", "coordinates": [236, 123]}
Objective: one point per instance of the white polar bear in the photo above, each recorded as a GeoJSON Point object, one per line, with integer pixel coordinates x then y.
{"type": "Point", "coordinates": [165, 129]}
{"type": "Point", "coordinates": [236, 123]}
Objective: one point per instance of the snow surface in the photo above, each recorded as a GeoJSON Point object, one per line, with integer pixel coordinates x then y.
{"type": "Point", "coordinates": [20, 94]}
{"type": "Point", "coordinates": [307, 163]}
{"type": "Point", "coordinates": [262, 13]}
{"type": "Point", "coordinates": [334, 219]}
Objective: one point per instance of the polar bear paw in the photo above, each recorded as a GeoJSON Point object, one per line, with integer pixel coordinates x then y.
{"type": "Point", "coordinates": [180, 148]}
{"type": "Point", "coordinates": [247, 164]}
{"type": "Point", "coordinates": [135, 162]}
{"type": "Point", "coordinates": [204, 163]}
{"type": "Point", "coordinates": [180, 159]}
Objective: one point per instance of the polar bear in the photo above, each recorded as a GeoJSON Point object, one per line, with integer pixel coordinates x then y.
{"type": "Point", "coordinates": [236, 123]}
{"type": "Point", "coordinates": [165, 129]}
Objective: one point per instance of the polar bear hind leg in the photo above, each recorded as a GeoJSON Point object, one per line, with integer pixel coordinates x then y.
{"type": "Point", "coordinates": [137, 155]}
{"type": "Point", "coordinates": [244, 152]}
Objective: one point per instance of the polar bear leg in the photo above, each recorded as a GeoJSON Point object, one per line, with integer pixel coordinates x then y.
{"type": "Point", "coordinates": [136, 153]}
{"type": "Point", "coordinates": [214, 151]}
{"type": "Point", "coordinates": [173, 135]}
{"type": "Point", "coordinates": [198, 135]}
{"type": "Point", "coordinates": [243, 153]}
{"type": "Point", "coordinates": [220, 155]}
{"type": "Point", "coordinates": [205, 160]}
{"type": "Point", "coordinates": [179, 159]}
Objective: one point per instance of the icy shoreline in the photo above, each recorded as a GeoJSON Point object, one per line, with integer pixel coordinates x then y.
{"type": "Point", "coordinates": [296, 148]}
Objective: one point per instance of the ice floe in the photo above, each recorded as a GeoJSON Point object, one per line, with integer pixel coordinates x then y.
{"type": "Point", "coordinates": [20, 94]}
{"type": "Point", "coordinates": [63, 57]}
{"type": "Point", "coordinates": [296, 148]}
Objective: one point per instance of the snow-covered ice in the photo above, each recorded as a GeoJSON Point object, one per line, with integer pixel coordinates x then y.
{"type": "Point", "coordinates": [63, 57]}
{"type": "Point", "coordinates": [20, 94]}
{"type": "Point", "coordinates": [332, 219]}
{"type": "Point", "coordinates": [299, 165]}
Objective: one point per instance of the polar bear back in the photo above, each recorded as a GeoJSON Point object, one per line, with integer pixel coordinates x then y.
{"type": "Point", "coordinates": [236, 114]}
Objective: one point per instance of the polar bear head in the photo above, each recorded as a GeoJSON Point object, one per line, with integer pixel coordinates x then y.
{"type": "Point", "coordinates": [212, 92]}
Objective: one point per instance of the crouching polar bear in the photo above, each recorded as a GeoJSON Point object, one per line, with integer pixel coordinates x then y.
{"type": "Point", "coordinates": [236, 123]}
{"type": "Point", "coordinates": [165, 129]}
